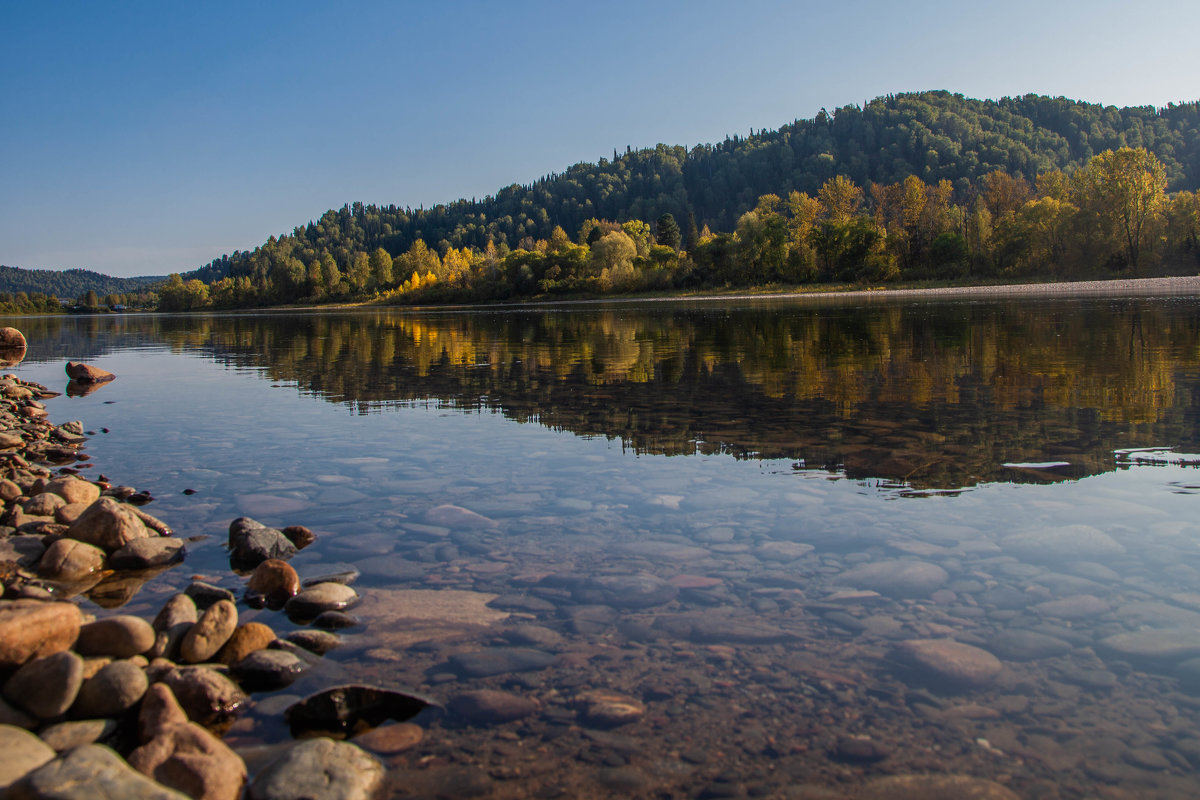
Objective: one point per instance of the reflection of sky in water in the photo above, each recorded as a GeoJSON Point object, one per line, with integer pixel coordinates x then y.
{"type": "Point", "coordinates": [1126, 541]}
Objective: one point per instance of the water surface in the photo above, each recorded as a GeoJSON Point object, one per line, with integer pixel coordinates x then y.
{"type": "Point", "coordinates": [815, 484]}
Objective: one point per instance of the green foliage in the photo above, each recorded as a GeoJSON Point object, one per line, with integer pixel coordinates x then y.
{"type": "Point", "coordinates": [70, 283]}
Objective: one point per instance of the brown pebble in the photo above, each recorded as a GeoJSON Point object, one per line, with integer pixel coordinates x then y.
{"type": "Point", "coordinates": [391, 739]}
{"type": "Point", "coordinates": [246, 639]}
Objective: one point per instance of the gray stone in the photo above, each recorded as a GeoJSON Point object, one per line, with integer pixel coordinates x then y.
{"type": "Point", "coordinates": [1161, 646]}
{"type": "Point", "coordinates": [491, 705]}
{"type": "Point", "coordinates": [319, 769]}
{"type": "Point", "coordinates": [251, 543]}
{"type": "Point", "coordinates": [1022, 645]}
{"type": "Point", "coordinates": [11, 715]}
{"type": "Point", "coordinates": [157, 551]}
{"type": "Point", "coordinates": [1065, 543]}
{"type": "Point", "coordinates": [177, 616]}
{"type": "Point", "coordinates": [499, 660]}
{"type": "Point", "coordinates": [948, 661]}
{"type": "Point", "coordinates": [88, 773]}
{"type": "Point", "coordinates": [321, 597]}
{"type": "Point", "coordinates": [319, 642]}
{"type": "Point", "coordinates": [112, 691]}
{"type": "Point", "coordinates": [896, 578]}
{"type": "Point", "coordinates": [66, 735]}
{"type": "Point", "coordinates": [268, 670]}
{"type": "Point", "coordinates": [23, 753]}
{"type": "Point", "coordinates": [46, 687]}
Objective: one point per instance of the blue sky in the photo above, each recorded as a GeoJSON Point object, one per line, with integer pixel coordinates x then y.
{"type": "Point", "coordinates": [147, 138]}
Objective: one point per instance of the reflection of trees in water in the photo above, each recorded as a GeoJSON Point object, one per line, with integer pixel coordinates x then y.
{"type": "Point", "coordinates": [935, 394]}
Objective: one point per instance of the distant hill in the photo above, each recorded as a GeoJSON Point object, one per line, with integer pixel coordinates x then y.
{"type": "Point", "coordinates": [70, 283]}
{"type": "Point", "coordinates": [934, 135]}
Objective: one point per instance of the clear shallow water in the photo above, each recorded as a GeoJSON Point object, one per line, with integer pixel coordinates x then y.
{"type": "Point", "coordinates": [763, 458]}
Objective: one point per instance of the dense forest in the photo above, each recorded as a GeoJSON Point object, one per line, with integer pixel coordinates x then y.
{"type": "Point", "coordinates": [927, 185]}
{"type": "Point", "coordinates": [70, 283]}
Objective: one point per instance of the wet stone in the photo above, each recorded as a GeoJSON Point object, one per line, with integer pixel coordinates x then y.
{"type": "Point", "coordinates": [1023, 645]}
{"type": "Point", "coordinates": [268, 670]}
{"type": "Point", "coordinates": [934, 787]}
{"type": "Point", "coordinates": [321, 597]}
{"type": "Point", "coordinates": [492, 706]}
{"type": "Point", "coordinates": [206, 695]}
{"type": "Point", "coordinates": [245, 640]}
{"type": "Point", "coordinates": [533, 636]}
{"type": "Point", "coordinates": [205, 595]}
{"type": "Point", "coordinates": [391, 739]}
{"type": "Point", "coordinates": [607, 709]}
{"type": "Point", "coordinates": [251, 543]}
{"type": "Point", "coordinates": [334, 620]}
{"type": "Point", "coordinates": [951, 662]}
{"type": "Point", "coordinates": [896, 578]}
{"type": "Point", "coordinates": [499, 660]}
{"type": "Point", "coordinates": [319, 642]}
{"type": "Point", "coordinates": [171, 624]}
{"type": "Point", "coordinates": [860, 750]}
{"type": "Point", "coordinates": [157, 551]}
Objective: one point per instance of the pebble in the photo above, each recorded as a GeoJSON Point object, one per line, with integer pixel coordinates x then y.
{"type": "Point", "coordinates": [205, 594]}
{"type": "Point", "coordinates": [186, 757]}
{"type": "Point", "coordinates": [66, 735]}
{"type": "Point", "coordinates": [1067, 542]}
{"type": "Point", "coordinates": [69, 560]}
{"type": "Point", "coordinates": [319, 769]}
{"type": "Point", "coordinates": [251, 543]}
{"type": "Point", "coordinates": [112, 691]}
{"type": "Point", "coordinates": [23, 753]}
{"type": "Point", "coordinates": [334, 620]}
{"type": "Point", "coordinates": [492, 706]}
{"type": "Point", "coordinates": [1023, 645]}
{"type": "Point", "coordinates": [268, 670]}
{"type": "Point", "coordinates": [33, 628]}
{"type": "Point", "coordinates": [319, 642]}
{"type": "Point", "coordinates": [210, 633]}
{"type": "Point", "coordinates": [1164, 645]}
{"type": "Point", "coordinates": [109, 525]}
{"type": "Point", "coordinates": [90, 771]}
{"type": "Point", "coordinates": [949, 661]}
{"type": "Point", "coordinates": [391, 739]}
{"type": "Point", "coordinates": [74, 490]}
{"type": "Point", "coordinates": [156, 551]}
{"type": "Point", "coordinates": [207, 696]}
{"type": "Point", "coordinates": [499, 660]}
{"type": "Point", "coordinates": [934, 787]}
{"type": "Point", "coordinates": [121, 636]}
{"type": "Point", "coordinates": [46, 687]}
{"type": "Point", "coordinates": [896, 578]}
{"type": "Point", "coordinates": [171, 624]}
{"type": "Point", "coordinates": [607, 709]}
{"type": "Point", "coordinates": [321, 597]}
{"type": "Point", "coordinates": [244, 640]}
{"type": "Point", "coordinates": [159, 709]}
{"type": "Point", "coordinates": [274, 579]}
{"type": "Point", "coordinates": [861, 750]}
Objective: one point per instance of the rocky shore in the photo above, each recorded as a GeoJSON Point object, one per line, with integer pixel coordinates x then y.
{"type": "Point", "coordinates": [121, 706]}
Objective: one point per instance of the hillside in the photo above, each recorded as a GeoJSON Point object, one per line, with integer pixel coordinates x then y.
{"type": "Point", "coordinates": [69, 284]}
{"type": "Point", "coordinates": [933, 135]}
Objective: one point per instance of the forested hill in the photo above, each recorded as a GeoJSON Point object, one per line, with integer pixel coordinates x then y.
{"type": "Point", "coordinates": [69, 284]}
{"type": "Point", "coordinates": [933, 135]}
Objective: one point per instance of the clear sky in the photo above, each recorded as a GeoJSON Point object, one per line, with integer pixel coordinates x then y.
{"type": "Point", "coordinates": [150, 137]}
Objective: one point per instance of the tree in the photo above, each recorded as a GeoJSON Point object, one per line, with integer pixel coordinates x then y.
{"type": "Point", "coordinates": [666, 231]}
{"type": "Point", "coordinates": [1125, 187]}
{"type": "Point", "coordinates": [359, 273]}
{"type": "Point", "coordinates": [841, 198]}
{"type": "Point", "coordinates": [381, 268]}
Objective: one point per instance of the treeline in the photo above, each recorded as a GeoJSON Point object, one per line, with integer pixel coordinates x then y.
{"type": "Point", "coordinates": [29, 303]}
{"type": "Point", "coordinates": [70, 283]}
{"type": "Point", "coordinates": [1111, 215]}
{"type": "Point", "coordinates": [933, 135]}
